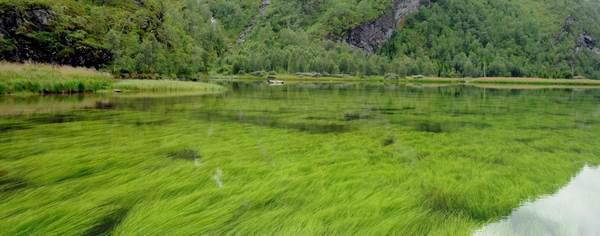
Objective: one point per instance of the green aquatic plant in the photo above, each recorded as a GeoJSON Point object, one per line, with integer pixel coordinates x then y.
{"type": "Point", "coordinates": [269, 164]}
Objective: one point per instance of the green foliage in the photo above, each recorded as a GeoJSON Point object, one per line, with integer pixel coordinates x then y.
{"type": "Point", "coordinates": [233, 15]}
{"type": "Point", "coordinates": [182, 44]}
{"type": "Point", "coordinates": [499, 38]}
{"type": "Point", "coordinates": [296, 51]}
{"type": "Point", "coordinates": [6, 45]}
{"type": "Point", "coordinates": [3, 88]}
{"type": "Point", "coordinates": [172, 38]}
{"type": "Point", "coordinates": [449, 38]}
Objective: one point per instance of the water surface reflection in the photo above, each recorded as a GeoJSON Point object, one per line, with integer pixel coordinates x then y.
{"type": "Point", "coordinates": [573, 210]}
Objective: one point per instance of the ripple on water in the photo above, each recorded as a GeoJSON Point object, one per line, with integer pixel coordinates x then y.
{"type": "Point", "coordinates": [573, 210]}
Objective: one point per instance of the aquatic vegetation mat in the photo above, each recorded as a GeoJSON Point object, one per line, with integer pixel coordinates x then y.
{"type": "Point", "coordinates": [293, 160]}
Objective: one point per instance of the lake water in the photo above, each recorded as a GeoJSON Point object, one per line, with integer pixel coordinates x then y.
{"type": "Point", "coordinates": [573, 210]}
{"type": "Point", "coordinates": [303, 159]}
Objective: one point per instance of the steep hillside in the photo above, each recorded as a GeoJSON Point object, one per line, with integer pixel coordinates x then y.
{"type": "Point", "coordinates": [36, 31]}
{"type": "Point", "coordinates": [184, 38]}
{"type": "Point", "coordinates": [443, 38]}
{"type": "Point", "coordinates": [130, 37]}
{"type": "Point", "coordinates": [370, 36]}
{"type": "Point", "coordinates": [309, 36]}
{"type": "Point", "coordinates": [503, 38]}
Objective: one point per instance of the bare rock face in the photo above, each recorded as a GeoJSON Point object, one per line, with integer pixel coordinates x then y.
{"type": "Point", "coordinates": [372, 35]}
{"type": "Point", "coordinates": [11, 19]}
{"type": "Point", "coordinates": [250, 26]}
{"type": "Point", "coordinates": [41, 17]}
{"type": "Point", "coordinates": [585, 41]}
{"type": "Point", "coordinates": [139, 3]}
{"type": "Point", "coordinates": [18, 27]}
{"type": "Point", "coordinates": [568, 24]}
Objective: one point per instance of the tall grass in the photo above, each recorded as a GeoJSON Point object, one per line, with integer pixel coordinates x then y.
{"type": "Point", "coordinates": [50, 79]}
{"type": "Point", "coordinates": [166, 86]}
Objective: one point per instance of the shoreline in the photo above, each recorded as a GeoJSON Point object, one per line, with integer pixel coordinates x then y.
{"type": "Point", "coordinates": [43, 79]}
{"type": "Point", "coordinates": [482, 82]}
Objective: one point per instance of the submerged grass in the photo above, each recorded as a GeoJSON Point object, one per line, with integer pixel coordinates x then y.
{"type": "Point", "coordinates": [259, 173]}
{"type": "Point", "coordinates": [46, 79]}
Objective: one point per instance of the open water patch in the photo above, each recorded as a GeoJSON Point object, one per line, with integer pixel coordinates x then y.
{"type": "Point", "coordinates": [184, 154]}
{"type": "Point", "coordinates": [429, 126]}
{"type": "Point", "coordinates": [13, 126]}
{"type": "Point", "coordinates": [393, 110]}
{"type": "Point", "coordinates": [104, 105]}
{"type": "Point", "coordinates": [316, 128]}
{"type": "Point", "coordinates": [351, 116]}
{"type": "Point", "coordinates": [108, 223]}
{"type": "Point", "coordinates": [47, 119]}
{"type": "Point", "coordinates": [56, 119]}
{"type": "Point", "coordinates": [151, 122]}
{"type": "Point", "coordinates": [271, 121]}
{"type": "Point", "coordinates": [573, 210]}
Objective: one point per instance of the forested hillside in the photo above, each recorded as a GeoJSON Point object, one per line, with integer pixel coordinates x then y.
{"type": "Point", "coordinates": [133, 37]}
{"type": "Point", "coordinates": [503, 38]}
{"type": "Point", "coordinates": [185, 38]}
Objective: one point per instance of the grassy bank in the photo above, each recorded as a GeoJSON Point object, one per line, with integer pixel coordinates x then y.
{"type": "Point", "coordinates": [50, 79]}
{"type": "Point", "coordinates": [428, 80]}
{"type": "Point", "coordinates": [422, 80]}
{"type": "Point", "coordinates": [345, 78]}
{"type": "Point", "coordinates": [166, 86]}
{"type": "Point", "coordinates": [53, 79]}
{"type": "Point", "coordinates": [535, 81]}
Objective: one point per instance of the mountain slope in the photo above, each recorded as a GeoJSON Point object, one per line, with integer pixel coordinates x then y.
{"type": "Point", "coordinates": [133, 37]}
{"type": "Point", "coordinates": [446, 38]}
{"type": "Point", "coordinates": [184, 38]}
{"type": "Point", "coordinates": [371, 35]}
{"type": "Point", "coordinates": [501, 38]}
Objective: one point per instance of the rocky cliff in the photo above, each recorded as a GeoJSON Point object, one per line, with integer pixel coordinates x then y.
{"type": "Point", "coordinates": [30, 33]}
{"type": "Point", "coordinates": [585, 40]}
{"type": "Point", "coordinates": [261, 11]}
{"type": "Point", "coordinates": [372, 35]}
